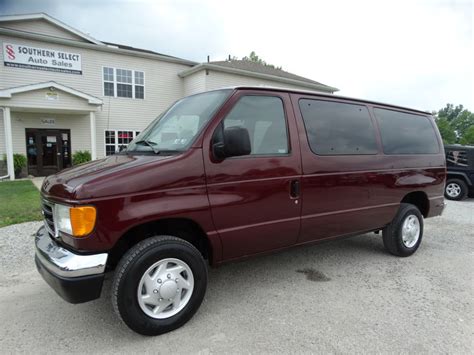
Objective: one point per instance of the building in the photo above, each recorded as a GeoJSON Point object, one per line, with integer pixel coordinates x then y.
{"type": "Point", "coordinates": [62, 90]}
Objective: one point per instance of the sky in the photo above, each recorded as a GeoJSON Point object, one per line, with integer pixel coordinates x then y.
{"type": "Point", "coordinates": [414, 53]}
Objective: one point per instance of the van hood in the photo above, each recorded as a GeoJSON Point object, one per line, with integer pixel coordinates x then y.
{"type": "Point", "coordinates": [77, 182]}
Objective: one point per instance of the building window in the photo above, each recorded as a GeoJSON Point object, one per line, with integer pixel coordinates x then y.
{"type": "Point", "coordinates": [139, 85]}
{"type": "Point", "coordinates": [116, 140]}
{"type": "Point", "coordinates": [124, 83]}
{"type": "Point", "coordinates": [109, 82]}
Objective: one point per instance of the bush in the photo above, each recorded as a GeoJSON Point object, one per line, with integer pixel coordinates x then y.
{"type": "Point", "coordinates": [19, 162]}
{"type": "Point", "coordinates": [80, 157]}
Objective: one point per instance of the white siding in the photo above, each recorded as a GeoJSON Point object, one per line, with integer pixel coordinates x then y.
{"type": "Point", "coordinates": [195, 83]}
{"type": "Point", "coordinates": [217, 80]}
{"type": "Point", "coordinates": [41, 27]}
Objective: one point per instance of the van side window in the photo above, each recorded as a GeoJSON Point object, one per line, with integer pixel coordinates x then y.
{"type": "Point", "coordinates": [405, 133]}
{"type": "Point", "coordinates": [264, 118]}
{"type": "Point", "coordinates": [335, 128]}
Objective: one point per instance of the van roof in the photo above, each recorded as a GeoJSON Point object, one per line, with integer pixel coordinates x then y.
{"type": "Point", "coordinates": [321, 94]}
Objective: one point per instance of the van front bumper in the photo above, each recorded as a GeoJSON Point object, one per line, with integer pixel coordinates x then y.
{"type": "Point", "coordinates": [76, 278]}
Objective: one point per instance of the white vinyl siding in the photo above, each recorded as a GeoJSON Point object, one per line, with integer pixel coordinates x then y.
{"type": "Point", "coordinates": [195, 83]}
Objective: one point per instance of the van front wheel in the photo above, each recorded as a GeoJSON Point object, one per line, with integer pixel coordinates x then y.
{"type": "Point", "coordinates": [159, 284]}
{"type": "Point", "coordinates": [403, 236]}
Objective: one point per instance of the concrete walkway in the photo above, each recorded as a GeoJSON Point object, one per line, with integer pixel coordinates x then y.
{"type": "Point", "coordinates": [38, 181]}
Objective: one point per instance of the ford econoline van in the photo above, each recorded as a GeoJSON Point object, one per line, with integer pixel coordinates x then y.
{"type": "Point", "coordinates": [229, 174]}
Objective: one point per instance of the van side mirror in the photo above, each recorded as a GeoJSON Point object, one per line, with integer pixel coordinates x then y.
{"type": "Point", "coordinates": [235, 142]}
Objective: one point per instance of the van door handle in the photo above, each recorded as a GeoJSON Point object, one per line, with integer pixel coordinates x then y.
{"type": "Point", "coordinates": [294, 188]}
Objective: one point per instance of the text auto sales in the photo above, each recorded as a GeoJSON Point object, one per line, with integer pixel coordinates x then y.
{"type": "Point", "coordinates": [60, 56]}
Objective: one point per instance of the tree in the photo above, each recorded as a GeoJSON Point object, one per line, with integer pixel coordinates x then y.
{"type": "Point", "coordinates": [468, 137]}
{"type": "Point", "coordinates": [454, 119]}
{"type": "Point", "coordinates": [462, 122]}
{"type": "Point", "coordinates": [447, 132]}
{"type": "Point", "coordinates": [450, 112]}
{"type": "Point", "coordinates": [253, 57]}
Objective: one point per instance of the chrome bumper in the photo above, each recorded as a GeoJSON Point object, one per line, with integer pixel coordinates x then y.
{"type": "Point", "coordinates": [64, 263]}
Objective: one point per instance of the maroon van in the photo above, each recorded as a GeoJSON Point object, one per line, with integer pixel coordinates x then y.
{"type": "Point", "coordinates": [228, 174]}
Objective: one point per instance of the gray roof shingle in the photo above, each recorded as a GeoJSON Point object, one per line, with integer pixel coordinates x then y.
{"type": "Point", "coordinates": [263, 69]}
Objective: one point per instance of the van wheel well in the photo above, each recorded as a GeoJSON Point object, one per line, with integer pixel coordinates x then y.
{"type": "Point", "coordinates": [178, 227]}
{"type": "Point", "coordinates": [420, 200]}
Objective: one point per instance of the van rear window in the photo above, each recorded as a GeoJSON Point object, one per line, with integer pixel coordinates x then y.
{"type": "Point", "coordinates": [405, 133]}
{"type": "Point", "coordinates": [335, 128]}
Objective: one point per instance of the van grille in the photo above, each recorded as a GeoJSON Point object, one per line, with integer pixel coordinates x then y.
{"type": "Point", "coordinates": [48, 217]}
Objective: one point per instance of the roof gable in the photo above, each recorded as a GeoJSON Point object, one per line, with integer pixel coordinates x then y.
{"type": "Point", "coordinates": [45, 25]}
{"type": "Point", "coordinates": [7, 93]}
{"type": "Point", "coordinates": [256, 70]}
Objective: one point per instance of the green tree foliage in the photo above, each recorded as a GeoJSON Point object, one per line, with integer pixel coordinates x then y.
{"type": "Point", "coordinates": [455, 120]}
{"type": "Point", "coordinates": [447, 132]}
{"type": "Point", "coordinates": [450, 112]}
{"type": "Point", "coordinates": [253, 57]}
{"type": "Point", "coordinates": [468, 138]}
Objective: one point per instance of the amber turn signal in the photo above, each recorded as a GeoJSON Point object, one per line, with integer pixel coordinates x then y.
{"type": "Point", "coordinates": [82, 220]}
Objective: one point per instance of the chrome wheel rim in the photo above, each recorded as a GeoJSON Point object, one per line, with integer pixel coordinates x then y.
{"type": "Point", "coordinates": [453, 189]}
{"type": "Point", "coordinates": [165, 288]}
{"type": "Point", "coordinates": [410, 231]}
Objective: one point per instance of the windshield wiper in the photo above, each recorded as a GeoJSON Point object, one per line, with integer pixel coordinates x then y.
{"type": "Point", "coordinates": [155, 150]}
{"type": "Point", "coordinates": [150, 144]}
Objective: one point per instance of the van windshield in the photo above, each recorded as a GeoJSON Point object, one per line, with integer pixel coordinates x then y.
{"type": "Point", "coordinates": [176, 128]}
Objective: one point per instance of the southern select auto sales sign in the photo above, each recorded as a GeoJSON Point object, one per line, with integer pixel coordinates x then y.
{"type": "Point", "coordinates": [32, 57]}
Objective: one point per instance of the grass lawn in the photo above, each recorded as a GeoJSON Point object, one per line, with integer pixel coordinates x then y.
{"type": "Point", "coordinates": [19, 202]}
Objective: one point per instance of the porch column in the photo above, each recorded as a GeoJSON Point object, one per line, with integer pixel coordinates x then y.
{"type": "Point", "coordinates": [93, 136]}
{"type": "Point", "coordinates": [7, 122]}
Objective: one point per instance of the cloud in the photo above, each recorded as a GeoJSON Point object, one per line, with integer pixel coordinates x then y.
{"type": "Point", "coordinates": [412, 53]}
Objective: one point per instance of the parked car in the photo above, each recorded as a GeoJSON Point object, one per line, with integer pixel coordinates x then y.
{"type": "Point", "coordinates": [460, 171]}
{"type": "Point", "coordinates": [228, 174]}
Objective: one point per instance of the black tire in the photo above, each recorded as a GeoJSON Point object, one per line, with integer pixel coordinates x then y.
{"type": "Point", "coordinates": [132, 267]}
{"type": "Point", "coordinates": [462, 186]}
{"type": "Point", "coordinates": [392, 234]}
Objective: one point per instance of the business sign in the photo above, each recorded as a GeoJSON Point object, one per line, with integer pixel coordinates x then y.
{"type": "Point", "coordinates": [32, 57]}
{"type": "Point", "coordinates": [48, 121]}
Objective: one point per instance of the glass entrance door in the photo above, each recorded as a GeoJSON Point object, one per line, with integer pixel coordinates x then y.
{"type": "Point", "coordinates": [48, 151]}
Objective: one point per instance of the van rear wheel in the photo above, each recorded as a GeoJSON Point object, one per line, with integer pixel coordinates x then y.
{"type": "Point", "coordinates": [403, 236]}
{"type": "Point", "coordinates": [159, 284]}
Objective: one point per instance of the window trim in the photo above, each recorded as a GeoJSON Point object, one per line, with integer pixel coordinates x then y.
{"type": "Point", "coordinates": [116, 144]}
{"type": "Point", "coordinates": [115, 82]}
{"type": "Point", "coordinates": [372, 121]}
{"type": "Point", "coordinates": [250, 156]}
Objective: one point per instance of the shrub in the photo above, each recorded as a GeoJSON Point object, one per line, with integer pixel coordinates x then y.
{"type": "Point", "coordinates": [19, 162]}
{"type": "Point", "coordinates": [80, 157]}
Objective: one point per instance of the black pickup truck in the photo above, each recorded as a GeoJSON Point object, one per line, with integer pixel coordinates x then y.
{"type": "Point", "coordinates": [460, 171]}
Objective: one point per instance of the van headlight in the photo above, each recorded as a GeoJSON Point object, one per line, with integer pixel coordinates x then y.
{"type": "Point", "coordinates": [76, 221]}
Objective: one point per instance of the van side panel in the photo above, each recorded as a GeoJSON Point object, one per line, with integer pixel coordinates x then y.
{"type": "Point", "coordinates": [348, 194]}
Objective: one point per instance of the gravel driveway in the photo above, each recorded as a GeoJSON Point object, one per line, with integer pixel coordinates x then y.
{"type": "Point", "coordinates": [344, 296]}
